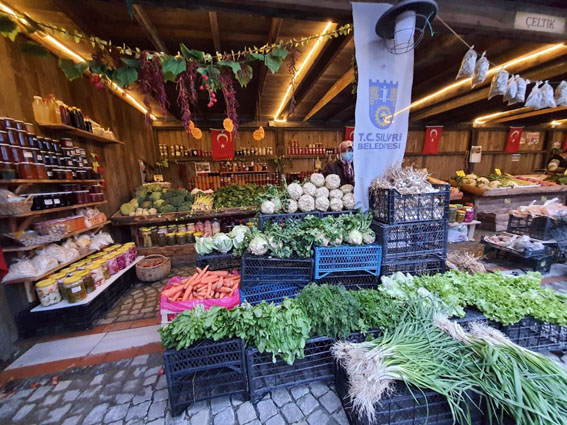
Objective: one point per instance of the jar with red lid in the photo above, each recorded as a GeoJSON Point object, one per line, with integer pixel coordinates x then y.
{"type": "Point", "coordinates": [19, 125]}
{"type": "Point", "coordinates": [6, 122]}
{"type": "Point", "coordinates": [12, 136]}
{"type": "Point", "coordinates": [6, 153]}
{"type": "Point", "coordinates": [36, 156]}
{"type": "Point", "coordinates": [58, 174]}
{"type": "Point", "coordinates": [22, 138]}
{"type": "Point", "coordinates": [41, 143]}
{"type": "Point", "coordinates": [41, 171]}
{"type": "Point", "coordinates": [96, 188]}
{"type": "Point", "coordinates": [27, 171]}
{"type": "Point", "coordinates": [48, 145]}
{"type": "Point", "coordinates": [32, 140]}
{"type": "Point", "coordinates": [28, 126]}
{"type": "Point", "coordinates": [56, 146]}
{"type": "Point", "coordinates": [26, 155]}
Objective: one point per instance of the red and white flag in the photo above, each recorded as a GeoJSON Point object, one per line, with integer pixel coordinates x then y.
{"type": "Point", "coordinates": [349, 133]}
{"type": "Point", "coordinates": [223, 145]}
{"type": "Point", "coordinates": [432, 138]}
{"type": "Point", "coordinates": [514, 137]}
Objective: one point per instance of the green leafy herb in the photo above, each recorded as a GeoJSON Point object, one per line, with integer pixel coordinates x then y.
{"type": "Point", "coordinates": [71, 69]}
{"type": "Point", "coordinates": [172, 66]}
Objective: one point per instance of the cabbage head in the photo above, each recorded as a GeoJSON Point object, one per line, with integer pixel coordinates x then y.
{"type": "Point", "coordinates": [354, 237]}
{"type": "Point", "coordinates": [258, 245]}
{"type": "Point", "coordinates": [238, 235]}
{"type": "Point", "coordinates": [223, 243]}
{"type": "Point", "coordinates": [204, 245]}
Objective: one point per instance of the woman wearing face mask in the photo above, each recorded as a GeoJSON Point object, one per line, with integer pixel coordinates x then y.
{"type": "Point", "coordinates": [344, 166]}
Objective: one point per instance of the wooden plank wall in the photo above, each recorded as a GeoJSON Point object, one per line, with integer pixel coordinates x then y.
{"type": "Point", "coordinates": [25, 76]}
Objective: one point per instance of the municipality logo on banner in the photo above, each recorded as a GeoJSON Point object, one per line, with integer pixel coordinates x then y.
{"type": "Point", "coordinates": [383, 97]}
{"type": "Point", "coordinates": [382, 100]}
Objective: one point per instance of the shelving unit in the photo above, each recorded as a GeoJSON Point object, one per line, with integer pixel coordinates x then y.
{"type": "Point", "coordinates": [244, 172]}
{"type": "Point", "coordinates": [79, 133]}
{"type": "Point", "coordinates": [90, 297]}
{"type": "Point", "coordinates": [16, 248]}
{"type": "Point", "coordinates": [210, 158]}
{"type": "Point", "coordinates": [23, 184]}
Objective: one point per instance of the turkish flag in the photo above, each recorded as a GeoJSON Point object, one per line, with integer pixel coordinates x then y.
{"type": "Point", "coordinates": [223, 145]}
{"type": "Point", "coordinates": [349, 133]}
{"type": "Point", "coordinates": [514, 136]}
{"type": "Point", "coordinates": [431, 142]}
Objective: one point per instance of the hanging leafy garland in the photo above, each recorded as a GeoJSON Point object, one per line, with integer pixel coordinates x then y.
{"type": "Point", "coordinates": [189, 69]}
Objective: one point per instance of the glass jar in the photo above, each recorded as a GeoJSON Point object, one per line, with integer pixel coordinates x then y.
{"type": "Point", "coordinates": [97, 275]}
{"type": "Point", "coordinates": [181, 228]}
{"type": "Point", "coordinates": [146, 237]}
{"type": "Point", "coordinates": [191, 227]}
{"type": "Point", "coordinates": [121, 259]}
{"type": "Point", "coordinates": [172, 228]}
{"type": "Point", "coordinates": [32, 140]}
{"type": "Point", "coordinates": [88, 281]}
{"type": "Point", "coordinates": [181, 238]}
{"type": "Point", "coordinates": [27, 171]}
{"type": "Point", "coordinates": [47, 292]}
{"type": "Point", "coordinates": [171, 239]}
{"type": "Point", "coordinates": [215, 226]}
{"type": "Point", "coordinates": [26, 155]}
{"type": "Point", "coordinates": [104, 267]}
{"type": "Point", "coordinates": [12, 136]}
{"type": "Point", "coordinates": [6, 153]}
{"type": "Point", "coordinates": [199, 228]}
{"type": "Point", "coordinates": [154, 233]}
{"type": "Point", "coordinates": [190, 237]}
{"type": "Point", "coordinates": [75, 288]}
{"type": "Point", "coordinates": [162, 239]}
{"type": "Point", "coordinates": [59, 278]}
{"type": "Point", "coordinates": [132, 252]}
{"type": "Point", "coordinates": [112, 263]}
{"type": "Point", "coordinates": [22, 138]}
{"type": "Point", "coordinates": [41, 171]}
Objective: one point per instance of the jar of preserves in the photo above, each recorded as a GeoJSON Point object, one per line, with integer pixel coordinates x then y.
{"type": "Point", "coordinates": [41, 171]}
{"type": "Point", "coordinates": [27, 171]}
{"type": "Point", "coordinates": [171, 238]}
{"type": "Point", "coordinates": [154, 233]}
{"type": "Point", "coordinates": [121, 258]}
{"type": "Point", "coordinates": [12, 136]}
{"type": "Point", "coordinates": [112, 264]}
{"type": "Point", "coordinates": [216, 226]}
{"type": "Point", "coordinates": [132, 252]}
{"type": "Point", "coordinates": [199, 228]}
{"type": "Point", "coordinates": [95, 270]}
{"type": "Point", "coordinates": [208, 228]}
{"type": "Point", "coordinates": [47, 292]}
{"type": "Point", "coordinates": [181, 228]}
{"type": "Point", "coordinates": [146, 237]}
{"type": "Point", "coordinates": [88, 281]}
{"type": "Point", "coordinates": [162, 239]}
{"type": "Point", "coordinates": [6, 153]}
{"type": "Point", "coordinates": [172, 228]}
{"type": "Point", "coordinates": [190, 237]}
{"type": "Point", "coordinates": [22, 138]}
{"type": "Point", "coordinates": [181, 238]}
{"type": "Point", "coordinates": [104, 267]}
{"type": "Point", "coordinates": [26, 155]}
{"type": "Point", "coordinates": [75, 288]}
{"type": "Point", "coordinates": [191, 227]}
{"type": "Point", "coordinates": [59, 278]}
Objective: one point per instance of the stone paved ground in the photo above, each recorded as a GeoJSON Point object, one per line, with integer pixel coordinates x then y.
{"type": "Point", "coordinates": [132, 391]}
{"type": "Point", "coordinates": [142, 300]}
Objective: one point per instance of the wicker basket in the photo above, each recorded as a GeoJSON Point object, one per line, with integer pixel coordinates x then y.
{"type": "Point", "coordinates": [16, 208]}
{"type": "Point", "coordinates": [151, 274]}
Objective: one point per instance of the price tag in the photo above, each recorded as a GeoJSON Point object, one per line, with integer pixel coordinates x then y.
{"type": "Point", "coordinates": [544, 198]}
{"type": "Point", "coordinates": [158, 177]}
{"type": "Point", "coordinates": [507, 200]}
{"type": "Point", "coordinates": [498, 172]}
{"type": "Point", "coordinates": [461, 173]}
{"type": "Point", "coordinates": [565, 172]}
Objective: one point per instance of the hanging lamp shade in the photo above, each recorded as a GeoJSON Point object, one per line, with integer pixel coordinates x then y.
{"type": "Point", "coordinates": [403, 25]}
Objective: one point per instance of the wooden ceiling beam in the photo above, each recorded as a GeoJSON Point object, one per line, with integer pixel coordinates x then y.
{"type": "Point", "coordinates": [532, 113]}
{"type": "Point", "coordinates": [215, 30]}
{"type": "Point", "coordinates": [549, 71]}
{"type": "Point", "coordinates": [273, 34]}
{"type": "Point", "coordinates": [335, 89]}
{"type": "Point", "coordinates": [342, 111]}
{"type": "Point", "coordinates": [326, 58]}
{"type": "Point", "coordinates": [149, 28]}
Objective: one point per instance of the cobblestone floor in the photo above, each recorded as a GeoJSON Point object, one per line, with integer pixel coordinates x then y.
{"type": "Point", "coordinates": [132, 391]}
{"type": "Point", "coordinates": [142, 300]}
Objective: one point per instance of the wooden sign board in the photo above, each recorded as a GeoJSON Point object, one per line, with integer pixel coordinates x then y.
{"type": "Point", "coordinates": [538, 22]}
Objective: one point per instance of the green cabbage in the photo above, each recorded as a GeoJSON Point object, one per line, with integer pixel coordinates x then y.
{"type": "Point", "coordinates": [223, 243]}
{"type": "Point", "coordinates": [204, 246]}
{"type": "Point", "coordinates": [154, 196]}
{"type": "Point", "coordinates": [238, 235]}
{"type": "Point", "coordinates": [126, 209]}
{"type": "Point", "coordinates": [258, 245]}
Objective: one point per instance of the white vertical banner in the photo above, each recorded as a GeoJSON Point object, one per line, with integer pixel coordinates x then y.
{"type": "Point", "coordinates": [384, 87]}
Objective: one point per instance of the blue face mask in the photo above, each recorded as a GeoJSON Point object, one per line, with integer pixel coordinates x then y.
{"type": "Point", "coordinates": [346, 156]}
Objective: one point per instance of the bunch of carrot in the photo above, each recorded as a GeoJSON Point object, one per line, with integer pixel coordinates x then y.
{"type": "Point", "coordinates": [204, 285]}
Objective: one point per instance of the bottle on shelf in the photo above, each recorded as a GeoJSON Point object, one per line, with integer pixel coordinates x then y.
{"type": "Point", "coordinates": [54, 114]}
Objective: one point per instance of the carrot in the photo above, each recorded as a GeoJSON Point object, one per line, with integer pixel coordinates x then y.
{"type": "Point", "coordinates": [187, 292]}
{"type": "Point", "coordinates": [172, 291]}
{"type": "Point", "coordinates": [209, 290]}
{"type": "Point", "coordinates": [198, 269]}
{"type": "Point", "coordinates": [221, 273]}
{"type": "Point", "coordinates": [190, 280]}
{"type": "Point", "coordinates": [225, 290]}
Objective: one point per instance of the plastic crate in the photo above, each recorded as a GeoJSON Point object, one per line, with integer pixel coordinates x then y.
{"type": "Point", "coordinates": [270, 292]}
{"type": "Point", "coordinates": [361, 337]}
{"type": "Point", "coordinates": [471, 315]}
{"type": "Point", "coordinates": [336, 213]}
{"type": "Point", "coordinates": [265, 376]}
{"type": "Point", "coordinates": [205, 370]}
{"type": "Point", "coordinates": [535, 227]}
{"type": "Point", "coordinates": [559, 233]}
{"type": "Point", "coordinates": [219, 261]}
{"type": "Point", "coordinates": [519, 225]}
{"type": "Point", "coordinates": [405, 407]}
{"type": "Point", "coordinates": [351, 280]}
{"type": "Point", "coordinates": [282, 218]}
{"type": "Point", "coordinates": [265, 269]}
{"type": "Point", "coordinates": [539, 263]}
{"type": "Point", "coordinates": [411, 239]}
{"type": "Point", "coordinates": [536, 335]}
{"type": "Point", "coordinates": [345, 258]}
{"type": "Point", "coordinates": [430, 264]}
{"type": "Point", "coordinates": [390, 206]}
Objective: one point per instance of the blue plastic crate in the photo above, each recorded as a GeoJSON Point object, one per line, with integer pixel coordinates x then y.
{"type": "Point", "coordinates": [265, 269]}
{"type": "Point", "coordinates": [270, 292]}
{"type": "Point", "coordinates": [219, 261]}
{"type": "Point", "coordinates": [282, 218]}
{"type": "Point", "coordinates": [351, 280]}
{"type": "Point", "coordinates": [390, 206]}
{"type": "Point", "coordinates": [411, 239]}
{"type": "Point", "coordinates": [346, 258]}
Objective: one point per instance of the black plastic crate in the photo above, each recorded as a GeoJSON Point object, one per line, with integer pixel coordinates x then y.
{"type": "Point", "coordinates": [361, 337]}
{"type": "Point", "coordinates": [405, 407]}
{"type": "Point", "coordinates": [269, 292]}
{"type": "Point", "coordinates": [471, 315]}
{"type": "Point", "coordinates": [265, 269]}
{"type": "Point", "coordinates": [559, 233]}
{"type": "Point", "coordinates": [219, 261]}
{"type": "Point", "coordinates": [519, 225]}
{"type": "Point", "coordinates": [536, 335]}
{"type": "Point", "coordinates": [336, 213]}
{"type": "Point", "coordinates": [539, 263]}
{"type": "Point", "coordinates": [535, 227]}
{"type": "Point", "coordinates": [282, 218]}
{"type": "Point", "coordinates": [351, 280]}
{"type": "Point", "coordinates": [264, 375]}
{"type": "Point", "coordinates": [430, 264]}
{"type": "Point", "coordinates": [411, 239]}
{"type": "Point", "coordinates": [205, 370]}
{"type": "Point", "coordinates": [390, 206]}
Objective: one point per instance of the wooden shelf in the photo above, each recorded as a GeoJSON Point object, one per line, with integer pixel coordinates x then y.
{"type": "Point", "coordinates": [243, 172]}
{"type": "Point", "coordinates": [210, 158]}
{"type": "Point", "coordinates": [325, 155]}
{"type": "Point", "coordinates": [79, 133]}
{"type": "Point", "coordinates": [24, 181]}
{"type": "Point", "coordinates": [99, 290]}
{"type": "Point", "coordinates": [17, 248]}
{"type": "Point", "coordinates": [55, 270]}
{"type": "Point", "coordinates": [124, 220]}
{"type": "Point", "coordinates": [54, 210]}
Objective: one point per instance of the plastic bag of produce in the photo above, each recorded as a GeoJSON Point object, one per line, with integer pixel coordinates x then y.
{"type": "Point", "coordinates": [43, 262]}
{"type": "Point", "coordinates": [468, 64]}
{"type": "Point", "coordinates": [534, 98]}
{"type": "Point", "coordinates": [511, 88]}
{"type": "Point", "coordinates": [547, 96]}
{"type": "Point", "coordinates": [498, 84]}
{"type": "Point", "coordinates": [170, 309]}
{"type": "Point", "coordinates": [20, 269]}
{"type": "Point", "coordinates": [521, 85]}
{"type": "Point", "coordinates": [480, 70]}
{"type": "Point", "coordinates": [561, 94]}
